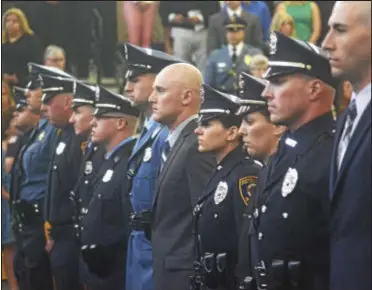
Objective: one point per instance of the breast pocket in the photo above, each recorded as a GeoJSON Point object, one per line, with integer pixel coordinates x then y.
{"type": "Point", "coordinates": [144, 186]}
{"type": "Point", "coordinates": [110, 206]}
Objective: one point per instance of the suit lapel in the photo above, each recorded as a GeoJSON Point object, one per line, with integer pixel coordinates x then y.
{"type": "Point", "coordinates": [173, 153]}
{"type": "Point", "coordinates": [358, 136]}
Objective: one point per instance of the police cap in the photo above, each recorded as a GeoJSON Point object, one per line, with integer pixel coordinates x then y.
{"type": "Point", "coordinates": [235, 23]}
{"type": "Point", "coordinates": [84, 94]}
{"type": "Point", "coordinates": [216, 104]}
{"type": "Point", "coordinates": [20, 98]}
{"type": "Point", "coordinates": [250, 94]}
{"type": "Point", "coordinates": [290, 56]}
{"type": "Point", "coordinates": [146, 60]}
{"type": "Point", "coordinates": [53, 86]}
{"type": "Point", "coordinates": [108, 104]}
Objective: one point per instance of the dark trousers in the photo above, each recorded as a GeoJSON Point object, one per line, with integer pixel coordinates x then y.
{"type": "Point", "coordinates": [31, 262]}
{"type": "Point", "coordinates": [116, 281]}
{"type": "Point", "coordinates": [64, 259]}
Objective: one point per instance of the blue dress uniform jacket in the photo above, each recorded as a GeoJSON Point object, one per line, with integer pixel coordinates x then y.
{"type": "Point", "coordinates": [225, 198]}
{"type": "Point", "coordinates": [28, 188]}
{"type": "Point", "coordinates": [104, 224]}
{"type": "Point", "coordinates": [351, 209]}
{"type": "Point", "coordinates": [221, 75]}
{"type": "Point", "coordinates": [291, 217]}
{"type": "Point", "coordinates": [148, 151]}
{"type": "Point", "coordinates": [64, 171]}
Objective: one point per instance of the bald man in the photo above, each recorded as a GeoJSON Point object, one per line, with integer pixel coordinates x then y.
{"type": "Point", "coordinates": [184, 173]}
{"type": "Point", "coordinates": [348, 44]}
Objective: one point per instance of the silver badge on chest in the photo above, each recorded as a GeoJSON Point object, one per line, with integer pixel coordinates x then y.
{"type": "Point", "coordinates": [88, 167]}
{"type": "Point", "coordinates": [108, 175]}
{"type": "Point", "coordinates": [221, 192]}
{"type": "Point", "coordinates": [289, 182]}
{"type": "Point", "coordinates": [148, 154]}
{"type": "Point", "coordinates": [60, 148]}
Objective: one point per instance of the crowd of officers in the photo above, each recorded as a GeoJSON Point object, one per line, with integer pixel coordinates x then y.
{"type": "Point", "coordinates": [184, 205]}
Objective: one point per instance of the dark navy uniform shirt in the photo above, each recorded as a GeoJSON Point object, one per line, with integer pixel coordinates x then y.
{"type": "Point", "coordinates": [36, 160]}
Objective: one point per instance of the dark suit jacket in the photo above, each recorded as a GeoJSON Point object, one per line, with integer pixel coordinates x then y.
{"type": "Point", "coordinates": [178, 187]}
{"type": "Point", "coordinates": [351, 209]}
{"type": "Point", "coordinates": [217, 31]}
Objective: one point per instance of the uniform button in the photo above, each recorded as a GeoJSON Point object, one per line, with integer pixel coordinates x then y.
{"type": "Point", "coordinates": [255, 214]}
{"type": "Point", "coordinates": [82, 228]}
{"type": "Point", "coordinates": [215, 215]}
{"type": "Point", "coordinates": [263, 208]}
{"type": "Point", "coordinates": [130, 193]}
{"type": "Point", "coordinates": [260, 236]}
{"type": "Point", "coordinates": [285, 215]}
{"type": "Point", "coordinates": [99, 196]}
{"type": "Point", "coordinates": [86, 181]}
{"type": "Point", "coordinates": [54, 167]}
{"type": "Point", "coordinates": [219, 167]}
{"type": "Point", "coordinates": [249, 216]}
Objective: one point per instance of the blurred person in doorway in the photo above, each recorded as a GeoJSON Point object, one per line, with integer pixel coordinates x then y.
{"type": "Point", "coordinates": [19, 46]}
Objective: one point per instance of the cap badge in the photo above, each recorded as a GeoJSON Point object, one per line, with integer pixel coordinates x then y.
{"type": "Point", "coordinates": [273, 43]}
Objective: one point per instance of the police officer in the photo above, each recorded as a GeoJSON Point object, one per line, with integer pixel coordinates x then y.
{"type": "Point", "coordinates": [144, 163]}
{"type": "Point", "coordinates": [289, 237]}
{"type": "Point", "coordinates": [24, 121]}
{"type": "Point", "coordinates": [32, 266]}
{"type": "Point", "coordinates": [104, 222]}
{"type": "Point", "coordinates": [260, 138]}
{"type": "Point", "coordinates": [225, 64]}
{"type": "Point", "coordinates": [218, 212]}
{"type": "Point", "coordinates": [64, 169]}
{"type": "Point", "coordinates": [83, 105]}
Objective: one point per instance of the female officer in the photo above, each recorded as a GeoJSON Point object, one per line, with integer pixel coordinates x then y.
{"type": "Point", "coordinates": [217, 215]}
{"type": "Point", "coordinates": [260, 136]}
{"type": "Point", "coordinates": [260, 139]}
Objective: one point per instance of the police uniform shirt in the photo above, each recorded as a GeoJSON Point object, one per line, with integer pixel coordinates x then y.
{"type": "Point", "coordinates": [35, 162]}
{"type": "Point", "coordinates": [291, 214]}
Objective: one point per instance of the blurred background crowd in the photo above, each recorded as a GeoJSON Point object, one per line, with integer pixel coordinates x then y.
{"type": "Point", "coordinates": [84, 38]}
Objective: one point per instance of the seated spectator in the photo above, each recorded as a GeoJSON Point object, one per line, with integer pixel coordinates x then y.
{"type": "Point", "coordinates": [306, 16]}
{"type": "Point", "coordinates": [226, 63]}
{"type": "Point", "coordinates": [260, 9]}
{"type": "Point", "coordinates": [188, 24]}
{"type": "Point", "coordinates": [139, 17]}
{"type": "Point", "coordinates": [216, 31]}
{"type": "Point", "coordinates": [259, 65]}
{"type": "Point", "coordinates": [19, 46]}
{"type": "Point", "coordinates": [283, 22]}
{"type": "Point", "coordinates": [55, 56]}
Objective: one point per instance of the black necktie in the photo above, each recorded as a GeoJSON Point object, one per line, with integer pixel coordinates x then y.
{"type": "Point", "coordinates": [234, 56]}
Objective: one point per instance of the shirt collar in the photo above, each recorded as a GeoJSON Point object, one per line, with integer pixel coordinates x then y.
{"type": "Point", "coordinates": [173, 136]}
{"type": "Point", "coordinates": [234, 12]}
{"type": "Point", "coordinates": [117, 147]}
{"type": "Point", "coordinates": [362, 99]}
{"type": "Point", "coordinates": [239, 48]}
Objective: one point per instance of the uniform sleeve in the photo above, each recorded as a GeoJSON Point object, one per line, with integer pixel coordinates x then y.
{"type": "Point", "coordinates": [210, 74]}
{"type": "Point", "coordinates": [199, 170]}
{"type": "Point", "coordinates": [13, 146]}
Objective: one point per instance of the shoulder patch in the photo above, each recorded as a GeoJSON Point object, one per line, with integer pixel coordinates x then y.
{"type": "Point", "coordinates": [83, 146]}
{"type": "Point", "coordinates": [246, 186]}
